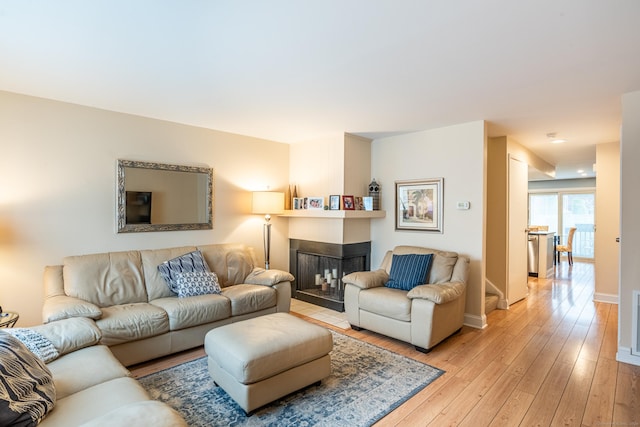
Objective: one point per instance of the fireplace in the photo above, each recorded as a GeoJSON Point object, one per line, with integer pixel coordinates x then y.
{"type": "Point", "coordinates": [319, 267]}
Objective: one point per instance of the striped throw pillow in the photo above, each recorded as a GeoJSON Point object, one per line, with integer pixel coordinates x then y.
{"type": "Point", "coordinates": [192, 261]}
{"type": "Point", "coordinates": [409, 271]}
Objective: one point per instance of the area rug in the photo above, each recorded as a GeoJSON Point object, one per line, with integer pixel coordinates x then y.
{"type": "Point", "coordinates": [367, 382]}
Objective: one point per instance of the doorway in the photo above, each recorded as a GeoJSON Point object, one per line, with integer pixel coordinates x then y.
{"type": "Point", "coordinates": [563, 210]}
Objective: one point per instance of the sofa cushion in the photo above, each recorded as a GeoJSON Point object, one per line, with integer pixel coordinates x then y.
{"type": "Point", "coordinates": [27, 390]}
{"type": "Point", "coordinates": [148, 413]}
{"type": "Point", "coordinates": [386, 302]}
{"type": "Point", "coordinates": [194, 283]}
{"type": "Point", "coordinates": [105, 279]}
{"type": "Point", "coordinates": [193, 311]}
{"type": "Point", "coordinates": [192, 261]}
{"type": "Point", "coordinates": [442, 267]}
{"type": "Point", "coordinates": [77, 370]}
{"type": "Point", "coordinates": [79, 408]}
{"type": "Point", "coordinates": [408, 271]}
{"type": "Point", "coordinates": [153, 280]}
{"type": "Point", "coordinates": [130, 322]}
{"type": "Point", "coordinates": [231, 262]}
{"type": "Point", "coordinates": [246, 298]}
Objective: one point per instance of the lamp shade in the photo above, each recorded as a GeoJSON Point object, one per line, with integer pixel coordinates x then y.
{"type": "Point", "coordinates": [268, 202]}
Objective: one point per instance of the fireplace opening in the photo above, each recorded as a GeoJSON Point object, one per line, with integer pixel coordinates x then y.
{"type": "Point", "coordinates": [318, 269]}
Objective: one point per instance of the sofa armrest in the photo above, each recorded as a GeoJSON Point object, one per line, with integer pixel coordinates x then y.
{"type": "Point", "coordinates": [69, 335]}
{"type": "Point", "coordinates": [439, 294]}
{"type": "Point", "coordinates": [64, 307]}
{"type": "Point", "coordinates": [367, 279]}
{"type": "Point", "coordinates": [260, 276]}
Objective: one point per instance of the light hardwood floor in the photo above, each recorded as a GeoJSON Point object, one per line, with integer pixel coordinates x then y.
{"type": "Point", "coordinates": [547, 361]}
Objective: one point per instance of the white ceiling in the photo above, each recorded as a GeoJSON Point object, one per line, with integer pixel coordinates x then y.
{"type": "Point", "coordinates": [292, 70]}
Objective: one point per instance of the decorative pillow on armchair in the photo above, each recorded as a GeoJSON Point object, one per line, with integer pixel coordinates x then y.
{"type": "Point", "coordinates": [192, 261]}
{"type": "Point", "coordinates": [27, 392]}
{"type": "Point", "coordinates": [409, 271]}
{"type": "Point", "coordinates": [193, 283]}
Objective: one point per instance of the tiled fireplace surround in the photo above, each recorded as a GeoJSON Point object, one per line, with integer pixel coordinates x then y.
{"type": "Point", "coordinates": [310, 261]}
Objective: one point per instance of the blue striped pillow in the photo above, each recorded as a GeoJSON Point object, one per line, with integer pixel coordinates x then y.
{"type": "Point", "coordinates": [409, 271]}
{"type": "Point", "coordinates": [192, 261]}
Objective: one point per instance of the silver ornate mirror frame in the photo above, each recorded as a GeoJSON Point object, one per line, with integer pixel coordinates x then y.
{"type": "Point", "coordinates": [121, 207]}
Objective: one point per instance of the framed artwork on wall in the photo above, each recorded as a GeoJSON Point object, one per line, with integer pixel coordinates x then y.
{"type": "Point", "coordinates": [419, 205]}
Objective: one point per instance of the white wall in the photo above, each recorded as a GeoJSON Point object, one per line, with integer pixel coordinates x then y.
{"type": "Point", "coordinates": [607, 251]}
{"type": "Point", "coordinates": [57, 188]}
{"type": "Point", "coordinates": [455, 153]}
{"type": "Point", "coordinates": [629, 224]}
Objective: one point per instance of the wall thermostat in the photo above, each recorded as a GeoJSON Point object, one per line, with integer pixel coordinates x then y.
{"type": "Point", "coordinates": [463, 205]}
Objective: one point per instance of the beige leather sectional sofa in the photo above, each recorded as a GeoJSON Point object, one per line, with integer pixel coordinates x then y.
{"type": "Point", "coordinates": [424, 315]}
{"type": "Point", "coordinates": [140, 318]}
{"type": "Point", "coordinates": [92, 388]}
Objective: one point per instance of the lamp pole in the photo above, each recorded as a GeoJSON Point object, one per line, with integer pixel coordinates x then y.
{"type": "Point", "coordinates": [266, 234]}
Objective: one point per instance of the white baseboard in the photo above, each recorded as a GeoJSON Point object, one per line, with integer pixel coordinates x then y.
{"type": "Point", "coordinates": [624, 355]}
{"type": "Point", "coordinates": [608, 298]}
{"type": "Point", "coordinates": [478, 322]}
{"type": "Point", "coordinates": [503, 304]}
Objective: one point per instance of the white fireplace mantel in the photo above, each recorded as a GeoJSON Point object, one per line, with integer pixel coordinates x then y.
{"type": "Point", "coordinates": [339, 214]}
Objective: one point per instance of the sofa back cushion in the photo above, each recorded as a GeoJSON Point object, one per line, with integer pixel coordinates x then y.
{"type": "Point", "coordinates": [232, 262]}
{"type": "Point", "coordinates": [441, 266]}
{"type": "Point", "coordinates": [155, 284]}
{"type": "Point", "coordinates": [105, 279]}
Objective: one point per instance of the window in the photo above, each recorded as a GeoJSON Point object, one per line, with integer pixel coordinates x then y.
{"type": "Point", "coordinates": [543, 210]}
{"type": "Point", "coordinates": [563, 210]}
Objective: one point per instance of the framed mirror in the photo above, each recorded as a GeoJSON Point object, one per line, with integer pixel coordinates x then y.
{"type": "Point", "coordinates": [163, 197]}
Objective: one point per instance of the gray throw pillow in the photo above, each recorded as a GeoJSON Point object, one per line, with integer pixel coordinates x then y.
{"type": "Point", "coordinates": [194, 283]}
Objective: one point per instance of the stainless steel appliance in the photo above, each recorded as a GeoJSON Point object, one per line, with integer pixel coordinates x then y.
{"type": "Point", "coordinates": [532, 251]}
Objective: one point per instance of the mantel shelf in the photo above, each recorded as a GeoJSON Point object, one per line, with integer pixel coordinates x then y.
{"type": "Point", "coordinates": [339, 214]}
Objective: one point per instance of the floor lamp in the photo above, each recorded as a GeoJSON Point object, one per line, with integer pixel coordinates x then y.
{"type": "Point", "coordinates": [267, 203]}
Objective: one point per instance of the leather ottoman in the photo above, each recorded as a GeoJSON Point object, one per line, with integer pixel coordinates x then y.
{"type": "Point", "coordinates": [259, 360]}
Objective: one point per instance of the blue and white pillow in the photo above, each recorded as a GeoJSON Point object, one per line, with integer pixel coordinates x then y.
{"type": "Point", "coordinates": [193, 283]}
{"type": "Point", "coordinates": [192, 261]}
{"type": "Point", "coordinates": [409, 271]}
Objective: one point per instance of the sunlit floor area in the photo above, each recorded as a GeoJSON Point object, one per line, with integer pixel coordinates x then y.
{"type": "Point", "coordinates": [316, 312]}
{"type": "Point", "coordinates": [549, 360]}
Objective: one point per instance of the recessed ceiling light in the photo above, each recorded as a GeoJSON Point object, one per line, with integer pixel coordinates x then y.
{"type": "Point", "coordinates": [584, 174]}
{"type": "Point", "coordinates": [553, 139]}
{"type": "Point", "coordinates": [580, 170]}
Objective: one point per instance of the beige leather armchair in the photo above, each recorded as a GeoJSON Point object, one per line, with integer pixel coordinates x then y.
{"type": "Point", "coordinates": [422, 316]}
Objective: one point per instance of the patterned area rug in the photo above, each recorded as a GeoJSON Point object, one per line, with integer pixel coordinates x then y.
{"type": "Point", "coordinates": [367, 382]}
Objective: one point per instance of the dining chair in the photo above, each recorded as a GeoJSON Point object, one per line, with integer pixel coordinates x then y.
{"type": "Point", "coordinates": [568, 248]}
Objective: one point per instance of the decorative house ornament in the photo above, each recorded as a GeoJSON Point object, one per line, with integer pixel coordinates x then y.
{"type": "Point", "coordinates": [374, 192]}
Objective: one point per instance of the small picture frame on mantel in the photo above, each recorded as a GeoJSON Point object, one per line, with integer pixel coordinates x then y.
{"type": "Point", "coordinates": [348, 203]}
{"type": "Point", "coordinates": [316, 203]}
{"type": "Point", "coordinates": [368, 203]}
{"type": "Point", "coordinates": [334, 202]}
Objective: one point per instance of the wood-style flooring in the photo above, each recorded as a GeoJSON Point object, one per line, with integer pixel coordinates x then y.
{"type": "Point", "coordinates": [547, 361]}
